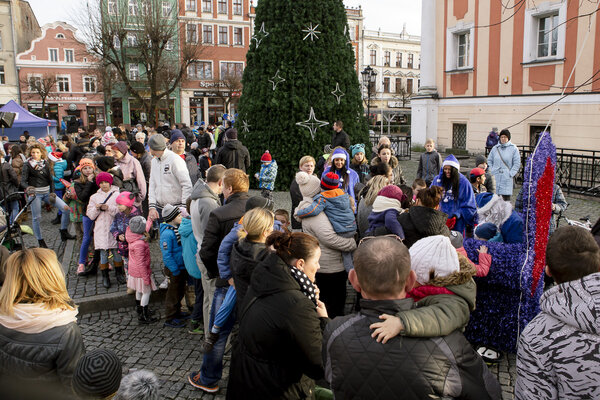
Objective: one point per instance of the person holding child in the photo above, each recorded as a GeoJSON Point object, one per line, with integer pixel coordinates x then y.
{"type": "Point", "coordinates": [386, 209]}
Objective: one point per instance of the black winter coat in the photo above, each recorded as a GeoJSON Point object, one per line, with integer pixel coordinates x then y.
{"type": "Point", "coordinates": [405, 367]}
{"type": "Point", "coordinates": [234, 154]}
{"type": "Point", "coordinates": [279, 343]}
{"type": "Point", "coordinates": [84, 191]}
{"type": "Point", "coordinates": [296, 199]}
{"type": "Point", "coordinates": [245, 256]}
{"type": "Point", "coordinates": [204, 141]}
{"type": "Point", "coordinates": [9, 181]}
{"type": "Point", "coordinates": [220, 222]}
{"type": "Point", "coordinates": [340, 138]}
{"type": "Point", "coordinates": [420, 222]}
{"type": "Point", "coordinates": [37, 177]}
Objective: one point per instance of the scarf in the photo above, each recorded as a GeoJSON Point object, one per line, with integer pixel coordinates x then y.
{"type": "Point", "coordinates": [34, 318]}
{"type": "Point", "coordinates": [37, 165]}
{"type": "Point", "coordinates": [174, 229]}
{"type": "Point", "coordinates": [306, 286]}
{"type": "Point", "coordinates": [383, 203]}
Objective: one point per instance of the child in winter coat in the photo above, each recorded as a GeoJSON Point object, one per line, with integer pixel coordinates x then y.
{"type": "Point", "coordinates": [267, 175]}
{"type": "Point", "coordinates": [430, 163]}
{"type": "Point", "coordinates": [172, 252]}
{"type": "Point", "coordinates": [485, 259]}
{"type": "Point", "coordinates": [190, 249]}
{"type": "Point", "coordinates": [337, 206]}
{"type": "Point", "coordinates": [127, 210]}
{"type": "Point", "coordinates": [140, 274]}
{"type": "Point", "coordinates": [386, 208]}
{"type": "Point", "coordinates": [60, 167]}
{"type": "Point", "coordinates": [204, 162]}
{"type": "Point", "coordinates": [102, 209]}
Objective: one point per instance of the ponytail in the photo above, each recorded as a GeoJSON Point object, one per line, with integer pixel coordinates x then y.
{"type": "Point", "coordinates": [291, 246]}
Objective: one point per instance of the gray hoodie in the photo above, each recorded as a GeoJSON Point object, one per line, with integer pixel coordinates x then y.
{"type": "Point", "coordinates": [559, 351]}
{"type": "Point", "coordinates": [204, 200]}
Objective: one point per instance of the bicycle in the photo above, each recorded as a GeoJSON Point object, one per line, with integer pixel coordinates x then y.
{"type": "Point", "coordinates": [586, 224]}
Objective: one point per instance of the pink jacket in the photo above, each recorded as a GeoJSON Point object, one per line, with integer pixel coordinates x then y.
{"type": "Point", "coordinates": [103, 239]}
{"type": "Point", "coordinates": [132, 168]}
{"type": "Point", "coordinates": [139, 254]}
{"type": "Point", "coordinates": [485, 262]}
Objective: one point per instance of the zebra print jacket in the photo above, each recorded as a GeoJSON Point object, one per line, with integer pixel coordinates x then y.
{"type": "Point", "coordinates": [559, 351]}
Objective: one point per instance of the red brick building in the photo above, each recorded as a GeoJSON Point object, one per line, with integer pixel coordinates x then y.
{"type": "Point", "coordinates": [59, 61]}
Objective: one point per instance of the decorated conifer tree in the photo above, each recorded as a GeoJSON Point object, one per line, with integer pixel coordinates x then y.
{"type": "Point", "coordinates": [300, 77]}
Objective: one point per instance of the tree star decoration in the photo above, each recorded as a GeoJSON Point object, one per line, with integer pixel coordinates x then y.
{"type": "Point", "coordinates": [245, 127]}
{"type": "Point", "coordinates": [337, 92]}
{"type": "Point", "coordinates": [260, 35]}
{"type": "Point", "coordinates": [311, 32]}
{"type": "Point", "coordinates": [312, 123]}
{"type": "Point", "coordinates": [276, 80]}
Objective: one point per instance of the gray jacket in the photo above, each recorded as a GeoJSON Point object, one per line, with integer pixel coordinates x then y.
{"type": "Point", "coordinates": [559, 351]}
{"type": "Point", "coordinates": [192, 166]}
{"type": "Point", "coordinates": [204, 200]}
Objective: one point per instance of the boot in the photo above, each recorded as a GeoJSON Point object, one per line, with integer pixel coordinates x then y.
{"type": "Point", "coordinates": [65, 235]}
{"type": "Point", "coordinates": [138, 308]}
{"type": "Point", "coordinates": [56, 220]}
{"type": "Point", "coordinates": [91, 268]}
{"type": "Point", "coordinates": [146, 317]}
{"type": "Point", "coordinates": [105, 278]}
{"type": "Point", "coordinates": [42, 244]}
{"type": "Point", "coordinates": [208, 343]}
{"type": "Point", "coordinates": [120, 273]}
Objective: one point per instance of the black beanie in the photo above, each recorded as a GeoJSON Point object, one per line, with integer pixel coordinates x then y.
{"type": "Point", "coordinates": [137, 148]}
{"type": "Point", "coordinates": [505, 132]}
{"type": "Point", "coordinates": [105, 163]}
{"type": "Point", "coordinates": [259, 202]}
{"type": "Point", "coordinates": [97, 374]}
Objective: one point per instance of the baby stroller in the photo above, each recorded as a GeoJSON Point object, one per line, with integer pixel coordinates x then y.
{"type": "Point", "coordinates": [11, 234]}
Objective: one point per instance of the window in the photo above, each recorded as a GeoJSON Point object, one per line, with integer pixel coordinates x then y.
{"type": "Point", "coordinates": [2, 79]}
{"type": "Point", "coordinates": [398, 85]}
{"type": "Point", "coordinates": [237, 36]}
{"type": "Point", "coordinates": [222, 6]}
{"type": "Point", "coordinates": [547, 36]}
{"type": "Point", "coordinates": [132, 7]}
{"type": "Point", "coordinates": [116, 42]}
{"type": "Point", "coordinates": [386, 85]}
{"type": "Point", "coordinates": [459, 136]}
{"type": "Point", "coordinates": [409, 86]}
{"type": "Point", "coordinates": [232, 69]}
{"type": "Point", "coordinates": [190, 5]}
{"type": "Point", "coordinates": [34, 81]}
{"type": "Point", "coordinates": [89, 84]}
{"type": "Point", "coordinates": [410, 63]}
{"type": "Point", "coordinates": [69, 55]}
{"type": "Point", "coordinates": [200, 70]}
{"type": "Point", "coordinates": [166, 9]}
{"type": "Point", "coordinates": [62, 83]}
{"type": "Point", "coordinates": [60, 36]}
{"type": "Point", "coordinates": [223, 35]}
{"type": "Point", "coordinates": [544, 35]}
{"type": "Point", "coordinates": [399, 60]}
{"type": "Point", "coordinates": [207, 36]}
{"type": "Point", "coordinates": [112, 7]}
{"type": "Point", "coordinates": [53, 53]}
{"type": "Point", "coordinates": [134, 72]}
{"type": "Point", "coordinates": [373, 56]}
{"type": "Point", "coordinates": [131, 40]}
{"type": "Point", "coordinates": [169, 45]}
{"type": "Point", "coordinates": [386, 61]}
{"type": "Point", "coordinates": [191, 33]}
{"type": "Point", "coordinates": [463, 50]}
{"type": "Point", "coordinates": [237, 7]}
{"type": "Point", "coordinates": [206, 5]}
{"type": "Point", "coordinates": [459, 51]}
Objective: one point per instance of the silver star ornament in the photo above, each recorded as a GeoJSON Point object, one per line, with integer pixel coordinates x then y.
{"type": "Point", "coordinates": [260, 35]}
{"type": "Point", "coordinates": [312, 123]}
{"type": "Point", "coordinates": [311, 31]}
{"type": "Point", "coordinates": [276, 80]}
{"type": "Point", "coordinates": [337, 93]}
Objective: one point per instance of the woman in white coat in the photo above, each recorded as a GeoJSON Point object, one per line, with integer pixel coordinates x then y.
{"type": "Point", "coordinates": [504, 162]}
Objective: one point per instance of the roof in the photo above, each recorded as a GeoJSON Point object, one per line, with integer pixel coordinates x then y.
{"type": "Point", "coordinates": [24, 118]}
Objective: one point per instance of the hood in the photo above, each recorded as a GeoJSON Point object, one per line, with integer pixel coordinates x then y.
{"type": "Point", "coordinates": [427, 221]}
{"type": "Point", "coordinates": [272, 276]}
{"type": "Point", "coordinates": [393, 161]}
{"type": "Point", "coordinates": [202, 190]}
{"type": "Point", "coordinates": [233, 145]}
{"type": "Point", "coordinates": [132, 237]}
{"type": "Point", "coordinates": [344, 153]}
{"type": "Point", "coordinates": [465, 273]}
{"type": "Point", "coordinates": [576, 303]}
{"type": "Point", "coordinates": [492, 208]}
{"type": "Point", "coordinates": [185, 228]}
{"type": "Point", "coordinates": [245, 253]}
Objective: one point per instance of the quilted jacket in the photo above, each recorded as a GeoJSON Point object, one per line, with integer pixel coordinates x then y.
{"type": "Point", "coordinates": [357, 367]}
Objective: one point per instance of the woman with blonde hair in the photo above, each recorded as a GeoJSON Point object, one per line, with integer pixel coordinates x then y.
{"type": "Point", "coordinates": [39, 337]}
{"type": "Point", "coordinates": [306, 164]}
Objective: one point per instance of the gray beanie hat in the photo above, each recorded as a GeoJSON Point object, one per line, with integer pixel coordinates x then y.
{"type": "Point", "coordinates": [139, 385]}
{"type": "Point", "coordinates": [169, 213]}
{"type": "Point", "coordinates": [157, 143]}
{"type": "Point", "coordinates": [309, 185]}
{"type": "Point", "coordinates": [480, 159]}
{"type": "Point", "coordinates": [137, 224]}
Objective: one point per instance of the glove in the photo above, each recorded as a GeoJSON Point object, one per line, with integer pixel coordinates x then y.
{"type": "Point", "coordinates": [450, 222]}
{"type": "Point", "coordinates": [30, 191]}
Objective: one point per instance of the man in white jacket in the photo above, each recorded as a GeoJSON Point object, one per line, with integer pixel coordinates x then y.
{"type": "Point", "coordinates": [169, 178]}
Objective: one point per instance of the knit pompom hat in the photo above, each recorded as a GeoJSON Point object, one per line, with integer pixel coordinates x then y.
{"type": "Point", "coordinates": [266, 157]}
{"type": "Point", "coordinates": [86, 162]}
{"type": "Point", "coordinates": [330, 181]}
{"type": "Point", "coordinates": [309, 184]}
{"type": "Point", "coordinates": [433, 257]}
{"type": "Point", "coordinates": [451, 161]}
{"type": "Point", "coordinates": [137, 224]}
{"type": "Point", "coordinates": [486, 231]}
{"type": "Point", "coordinates": [108, 138]}
{"type": "Point", "coordinates": [357, 148]}
{"type": "Point", "coordinates": [104, 177]}
{"type": "Point", "coordinates": [392, 192]}
{"type": "Point", "coordinates": [55, 156]}
{"type": "Point", "coordinates": [97, 374]}
{"type": "Point", "coordinates": [169, 213]}
{"type": "Point", "coordinates": [126, 199]}
{"type": "Point", "coordinates": [121, 146]}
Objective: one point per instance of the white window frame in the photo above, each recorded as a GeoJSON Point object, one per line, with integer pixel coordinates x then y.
{"type": "Point", "coordinates": [195, 75]}
{"type": "Point", "coordinates": [530, 34]}
{"type": "Point", "coordinates": [135, 68]}
{"type": "Point", "coordinates": [60, 76]}
{"type": "Point", "coordinates": [169, 45]}
{"type": "Point", "coordinates": [412, 86]}
{"type": "Point", "coordinates": [131, 39]}
{"type": "Point", "coordinates": [50, 55]}
{"type": "Point", "coordinates": [132, 8]}
{"type": "Point", "coordinates": [241, 36]}
{"type": "Point", "coordinates": [2, 75]}
{"type": "Point", "coordinates": [60, 36]}
{"type": "Point", "coordinates": [240, 5]}
{"type": "Point", "coordinates": [167, 9]}
{"type": "Point", "coordinates": [372, 56]}
{"type": "Point", "coordinates": [219, 35]}
{"type": "Point", "coordinates": [212, 34]}
{"type": "Point", "coordinates": [72, 52]}
{"type": "Point", "coordinates": [116, 42]}
{"type": "Point", "coordinates": [226, 7]}
{"type": "Point", "coordinates": [188, 39]}
{"type": "Point", "coordinates": [111, 6]}
{"type": "Point", "coordinates": [94, 81]}
{"type": "Point", "coordinates": [36, 77]}
{"type": "Point", "coordinates": [452, 36]}
{"type": "Point", "coordinates": [189, 3]}
{"type": "Point", "coordinates": [229, 62]}
{"type": "Point", "coordinates": [209, 8]}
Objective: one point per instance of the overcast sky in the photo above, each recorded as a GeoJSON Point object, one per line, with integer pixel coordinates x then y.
{"type": "Point", "coordinates": [389, 15]}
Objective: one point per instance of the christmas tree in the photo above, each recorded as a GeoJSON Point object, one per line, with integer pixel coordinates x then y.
{"type": "Point", "coordinates": [299, 79]}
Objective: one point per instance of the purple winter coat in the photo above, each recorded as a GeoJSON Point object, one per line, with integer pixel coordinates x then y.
{"type": "Point", "coordinates": [118, 227]}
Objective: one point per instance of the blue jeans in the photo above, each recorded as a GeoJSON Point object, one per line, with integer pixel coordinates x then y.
{"type": "Point", "coordinates": [197, 314]}
{"type": "Point", "coordinates": [59, 193]}
{"type": "Point", "coordinates": [88, 230]}
{"type": "Point", "coordinates": [13, 208]}
{"type": "Point", "coordinates": [212, 362]}
{"type": "Point", "coordinates": [225, 310]}
{"type": "Point", "coordinates": [36, 213]}
{"type": "Point", "coordinates": [104, 256]}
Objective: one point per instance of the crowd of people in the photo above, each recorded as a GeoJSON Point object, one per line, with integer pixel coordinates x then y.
{"type": "Point", "coordinates": [274, 282]}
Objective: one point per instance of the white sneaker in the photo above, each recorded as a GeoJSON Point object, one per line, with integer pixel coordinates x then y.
{"type": "Point", "coordinates": [164, 284]}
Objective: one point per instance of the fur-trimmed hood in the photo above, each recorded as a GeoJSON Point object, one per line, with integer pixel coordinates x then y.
{"type": "Point", "coordinates": [393, 161]}
{"type": "Point", "coordinates": [465, 273]}
{"type": "Point", "coordinates": [492, 208]}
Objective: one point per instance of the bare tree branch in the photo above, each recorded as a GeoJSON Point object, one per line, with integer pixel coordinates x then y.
{"type": "Point", "coordinates": [39, 86]}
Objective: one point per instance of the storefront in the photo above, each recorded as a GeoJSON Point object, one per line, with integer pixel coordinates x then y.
{"type": "Point", "coordinates": [51, 111]}
{"type": "Point", "coordinates": [208, 106]}
{"type": "Point", "coordinates": [86, 111]}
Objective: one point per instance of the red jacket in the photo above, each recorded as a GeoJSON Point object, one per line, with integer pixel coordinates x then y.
{"type": "Point", "coordinates": [139, 254]}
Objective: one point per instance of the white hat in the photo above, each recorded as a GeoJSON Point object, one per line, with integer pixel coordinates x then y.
{"type": "Point", "coordinates": [433, 254]}
{"type": "Point", "coordinates": [309, 185]}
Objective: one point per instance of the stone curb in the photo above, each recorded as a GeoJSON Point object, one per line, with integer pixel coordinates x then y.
{"type": "Point", "coordinates": [113, 301]}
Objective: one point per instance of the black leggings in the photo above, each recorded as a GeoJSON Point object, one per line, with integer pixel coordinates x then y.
{"type": "Point", "coordinates": [333, 291]}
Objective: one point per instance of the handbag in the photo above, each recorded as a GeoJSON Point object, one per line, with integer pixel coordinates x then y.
{"type": "Point", "coordinates": [104, 202]}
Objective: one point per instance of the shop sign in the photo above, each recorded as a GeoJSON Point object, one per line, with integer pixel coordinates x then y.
{"type": "Point", "coordinates": [66, 98]}
{"type": "Point", "coordinates": [395, 104]}
{"type": "Point", "coordinates": [198, 93]}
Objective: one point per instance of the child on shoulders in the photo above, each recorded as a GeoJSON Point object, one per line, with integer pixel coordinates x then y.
{"type": "Point", "coordinates": [386, 208]}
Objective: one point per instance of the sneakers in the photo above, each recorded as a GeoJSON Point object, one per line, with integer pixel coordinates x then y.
{"type": "Point", "coordinates": [184, 316]}
{"type": "Point", "coordinates": [80, 269]}
{"type": "Point", "coordinates": [196, 328]}
{"type": "Point", "coordinates": [194, 379]}
{"type": "Point", "coordinates": [164, 284]}
{"type": "Point", "coordinates": [175, 323]}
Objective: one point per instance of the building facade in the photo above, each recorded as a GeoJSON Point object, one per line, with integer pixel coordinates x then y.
{"type": "Point", "coordinates": [355, 32]}
{"type": "Point", "coordinates": [481, 70]}
{"type": "Point", "coordinates": [18, 28]}
{"type": "Point", "coordinates": [58, 67]}
{"type": "Point", "coordinates": [213, 83]}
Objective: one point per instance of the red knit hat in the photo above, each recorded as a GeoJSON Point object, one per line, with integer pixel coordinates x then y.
{"type": "Point", "coordinates": [476, 172]}
{"type": "Point", "coordinates": [104, 177]}
{"type": "Point", "coordinates": [55, 156]}
{"type": "Point", "coordinates": [266, 157]}
{"type": "Point", "coordinates": [392, 192]}
{"type": "Point", "coordinates": [330, 181]}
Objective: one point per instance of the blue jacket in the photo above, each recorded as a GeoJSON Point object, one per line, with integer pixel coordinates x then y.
{"type": "Point", "coordinates": [171, 249]}
{"type": "Point", "coordinates": [59, 172]}
{"type": "Point", "coordinates": [336, 205]}
{"type": "Point", "coordinates": [512, 229]}
{"type": "Point", "coordinates": [190, 248]}
{"type": "Point", "coordinates": [353, 177]}
{"type": "Point", "coordinates": [267, 175]}
{"type": "Point", "coordinates": [492, 139]}
{"type": "Point", "coordinates": [387, 219]}
{"type": "Point", "coordinates": [463, 208]}
{"type": "Point", "coordinates": [504, 163]}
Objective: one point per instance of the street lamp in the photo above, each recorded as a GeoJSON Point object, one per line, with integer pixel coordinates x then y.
{"type": "Point", "coordinates": [368, 76]}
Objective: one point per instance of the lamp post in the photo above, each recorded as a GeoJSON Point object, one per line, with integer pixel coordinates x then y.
{"type": "Point", "coordinates": [368, 76]}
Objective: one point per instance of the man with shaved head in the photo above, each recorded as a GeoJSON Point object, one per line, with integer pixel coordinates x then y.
{"type": "Point", "coordinates": [357, 366]}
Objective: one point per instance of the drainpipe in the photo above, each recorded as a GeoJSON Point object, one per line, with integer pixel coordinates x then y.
{"type": "Point", "coordinates": [14, 40]}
